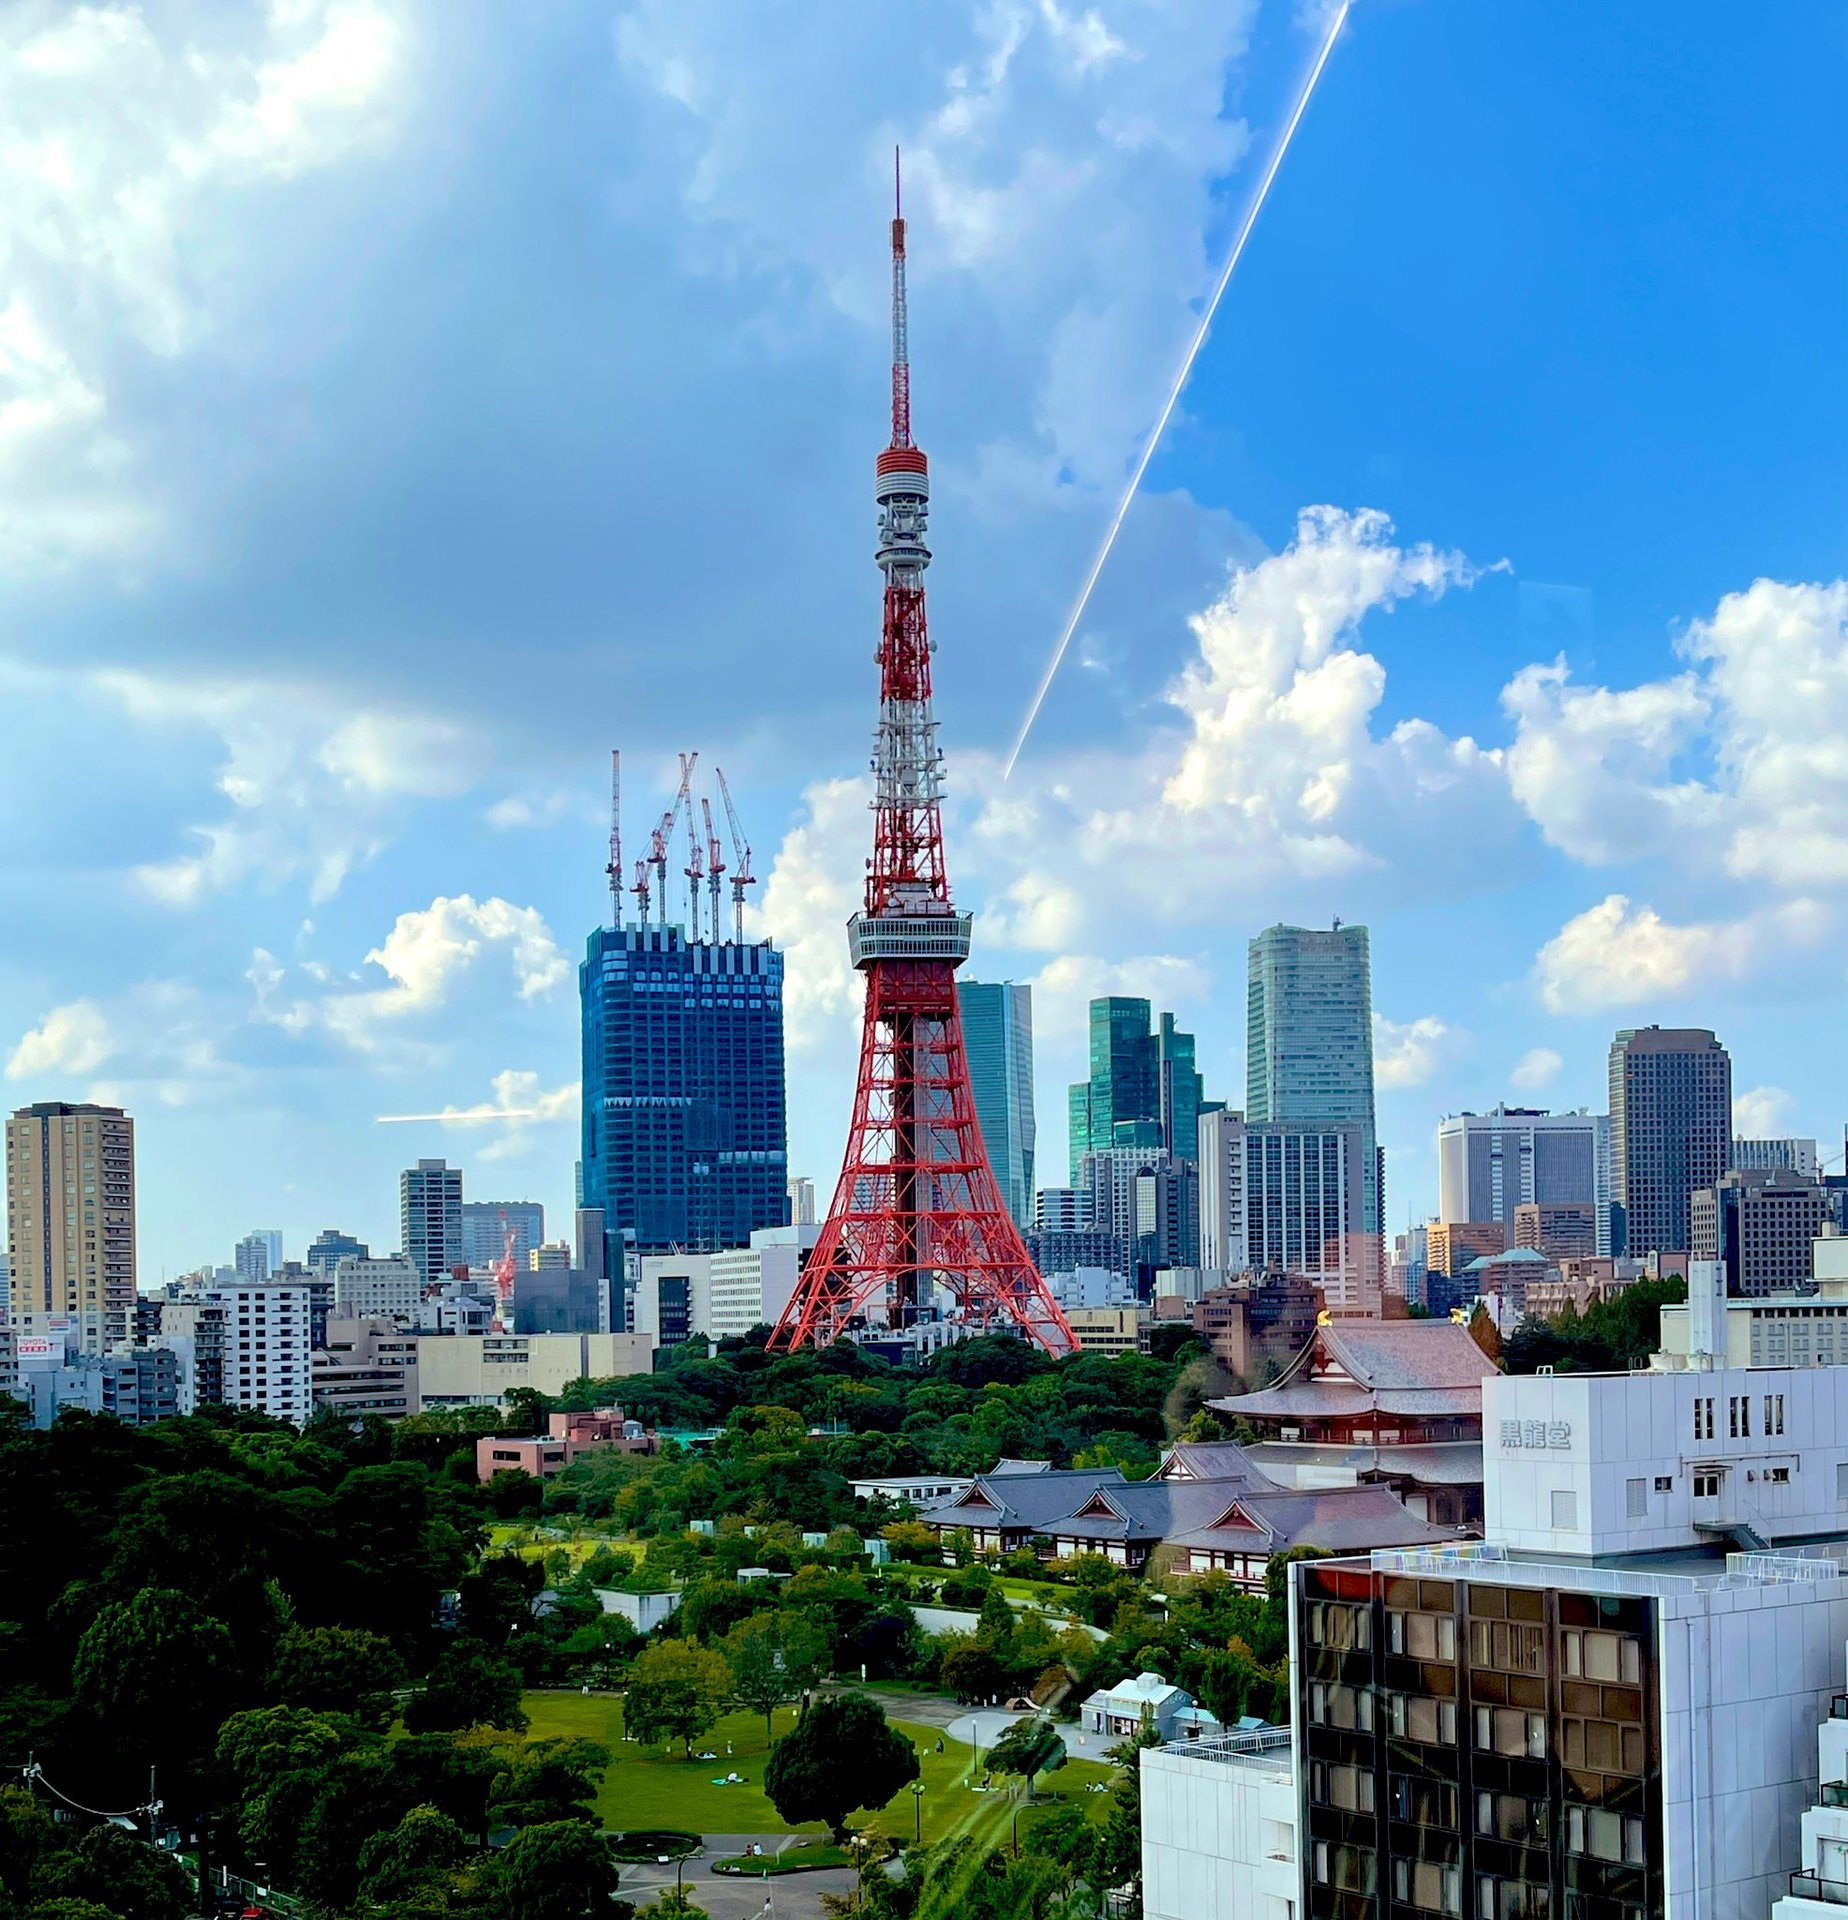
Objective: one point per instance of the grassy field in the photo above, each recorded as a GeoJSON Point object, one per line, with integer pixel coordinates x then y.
{"type": "Point", "coordinates": [654, 1787]}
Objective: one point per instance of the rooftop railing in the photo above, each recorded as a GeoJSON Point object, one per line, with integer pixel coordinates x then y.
{"type": "Point", "coordinates": [1258, 1747]}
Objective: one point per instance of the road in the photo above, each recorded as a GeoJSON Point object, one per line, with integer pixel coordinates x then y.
{"type": "Point", "coordinates": [794, 1896]}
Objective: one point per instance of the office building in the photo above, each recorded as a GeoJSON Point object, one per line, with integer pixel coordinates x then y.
{"type": "Point", "coordinates": [1143, 1090]}
{"type": "Point", "coordinates": [9, 1361]}
{"type": "Point", "coordinates": [1309, 1044]}
{"type": "Point", "coordinates": [1777, 1156]}
{"type": "Point", "coordinates": [1671, 1131]}
{"type": "Point", "coordinates": [1104, 1329]}
{"type": "Point", "coordinates": [257, 1255]}
{"type": "Point", "coordinates": [54, 1375]}
{"type": "Point", "coordinates": [463, 1370]}
{"type": "Point", "coordinates": [684, 1115]}
{"type": "Point", "coordinates": [559, 1298]}
{"type": "Point", "coordinates": [1258, 1324]}
{"type": "Point", "coordinates": [365, 1365]}
{"type": "Point", "coordinates": [1405, 1274]}
{"type": "Point", "coordinates": [801, 1202]}
{"type": "Point", "coordinates": [1490, 1164]}
{"type": "Point", "coordinates": [488, 1225]}
{"type": "Point", "coordinates": [750, 1286]}
{"type": "Point", "coordinates": [193, 1328]}
{"type": "Point", "coordinates": [1558, 1232]}
{"type": "Point", "coordinates": [1062, 1209]}
{"type": "Point", "coordinates": [70, 1207]}
{"type": "Point", "coordinates": [673, 1297]}
{"type": "Point", "coordinates": [997, 1024]}
{"type": "Point", "coordinates": [1759, 1225]}
{"type": "Point", "coordinates": [430, 1219]}
{"type": "Point", "coordinates": [550, 1256]}
{"type": "Point", "coordinates": [379, 1289]}
{"type": "Point", "coordinates": [1452, 1246]}
{"type": "Point", "coordinates": [1064, 1249]}
{"type": "Point", "coordinates": [1807, 1327]}
{"type": "Point", "coordinates": [1289, 1198]}
{"type": "Point", "coordinates": [1150, 1202]}
{"type": "Point", "coordinates": [329, 1247]}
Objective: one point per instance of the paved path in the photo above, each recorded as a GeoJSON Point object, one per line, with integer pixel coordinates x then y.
{"type": "Point", "coordinates": [987, 1724]}
{"type": "Point", "coordinates": [727, 1896]}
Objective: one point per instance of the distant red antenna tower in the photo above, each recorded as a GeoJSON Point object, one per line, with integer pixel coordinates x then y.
{"type": "Point", "coordinates": [917, 1207]}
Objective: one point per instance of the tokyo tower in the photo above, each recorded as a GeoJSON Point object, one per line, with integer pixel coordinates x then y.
{"type": "Point", "coordinates": [917, 1209]}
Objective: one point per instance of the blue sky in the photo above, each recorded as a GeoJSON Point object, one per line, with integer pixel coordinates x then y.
{"type": "Point", "coordinates": [402, 403]}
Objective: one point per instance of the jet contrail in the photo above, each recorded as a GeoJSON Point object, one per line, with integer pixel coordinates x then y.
{"type": "Point", "coordinates": [1180, 381]}
{"type": "Point", "coordinates": [458, 1116]}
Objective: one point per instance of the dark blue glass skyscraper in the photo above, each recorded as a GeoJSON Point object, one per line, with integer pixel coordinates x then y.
{"type": "Point", "coordinates": [685, 1124]}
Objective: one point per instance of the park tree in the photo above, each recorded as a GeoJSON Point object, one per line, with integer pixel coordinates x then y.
{"type": "Point", "coordinates": [676, 1691]}
{"type": "Point", "coordinates": [912, 1540]}
{"type": "Point", "coordinates": [973, 1671]}
{"type": "Point", "coordinates": [559, 1871]}
{"type": "Point", "coordinates": [842, 1755]}
{"type": "Point", "coordinates": [1028, 1748]}
{"type": "Point", "coordinates": [409, 1869]}
{"type": "Point", "coordinates": [775, 1658]}
{"type": "Point", "coordinates": [549, 1780]}
{"type": "Point", "coordinates": [338, 1670]}
{"type": "Point", "coordinates": [157, 1674]}
{"type": "Point", "coordinates": [469, 1686]}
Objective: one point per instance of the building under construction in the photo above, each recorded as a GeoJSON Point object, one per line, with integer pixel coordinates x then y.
{"type": "Point", "coordinates": [685, 1133]}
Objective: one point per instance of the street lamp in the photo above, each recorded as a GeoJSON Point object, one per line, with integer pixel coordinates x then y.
{"type": "Point", "coordinates": [917, 1812]}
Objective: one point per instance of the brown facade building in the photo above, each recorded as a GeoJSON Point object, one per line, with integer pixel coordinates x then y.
{"type": "Point", "coordinates": [1258, 1325]}
{"type": "Point", "coordinates": [1450, 1245]}
{"type": "Point", "coordinates": [1560, 1232]}
{"type": "Point", "coordinates": [70, 1213]}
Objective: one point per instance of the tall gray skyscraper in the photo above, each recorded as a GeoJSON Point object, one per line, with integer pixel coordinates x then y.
{"type": "Point", "coordinates": [997, 1022]}
{"type": "Point", "coordinates": [430, 1217]}
{"type": "Point", "coordinates": [1671, 1130]}
{"type": "Point", "coordinates": [1309, 1041]}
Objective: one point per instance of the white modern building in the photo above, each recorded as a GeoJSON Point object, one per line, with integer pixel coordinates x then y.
{"type": "Point", "coordinates": [1219, 1829]}
{"type": "Point", "coordinates": [1777, 1156]}
{"type": "Point", "coordinates": [673, 1296]}
{"type": "Point", "coordinates": [379, 1289]}
{"type": "Point", "coordinates": [750, 1286]}
{"type": "Point", "coordinates": [1797, 1329]}
{"type": "Point", "coordinates": [268, 1341]}
{"type": "Point", "coordinates": [480, 1370]}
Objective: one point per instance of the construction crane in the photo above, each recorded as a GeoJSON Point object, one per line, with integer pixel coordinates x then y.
{"type": "Point", "coordinates": [614, 869]}
{"type": "Point", "coordinates": [640, 890]}
{"type": "Point", "coordinates": [503, 1280]}
{"type": "Point", "coordinates": [742, 876]}
{"type": "Point", "coordinates": [715, 864]}
{"type": "Point", "coordinates": [664, 833]}
{"type": "Point", "coordinates": [695, 868]}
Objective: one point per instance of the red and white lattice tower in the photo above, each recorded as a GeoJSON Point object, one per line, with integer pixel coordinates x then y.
{"type": "Point", "coordinates": [917, 1207]}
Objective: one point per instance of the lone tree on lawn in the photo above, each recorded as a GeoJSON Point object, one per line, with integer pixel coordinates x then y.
{"type": "Point", "coordinates": [1029, 1747]}
{"type": "Point", "coordinates": [676, 1691]}
{"type": "Point", "coordinates": [841, 1756]}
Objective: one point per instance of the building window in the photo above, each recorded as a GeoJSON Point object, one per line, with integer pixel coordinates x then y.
{"type": "Point", "coordinates": [1511, 1816]}
{"type": "Point", "coordinates": [1413, 1717]}
{"type": "Point", "coordinates": [1511, 1733]}
{"type": "Point", "coordinates": [1774, 1413]}
{"type": "Point", "coordinates": [1665, 1483]}
{"type": "Point", "coordinates": [1424, 1636]}
{"type": "Point", "coordinates": [1739, 1416]}
{"type": "Point", "coordinates": [1351, 1869]}
{"type": "Point", "coordinates": [1703, 1419]}
{"type": "Point", "coordinates": [1349, 1708]}
{"type": "Point", "coordinates": [1509, 1646]}
{"type": "Point", "coordinates": [1349, 1788]}
{"type": "Point", "coordinates": [1428, 1884]}
{"type": "Point", "coordinates": [1635, 1499]}
{"type": "Point", "coordinates": [1778, 1476]}
{"type": "Point", "coordinates": [1604, 1835]}
{"type": "Point", "coordinates": [1707, 1486]}
{"type": "Point", "coordinates": [1565, 1508]}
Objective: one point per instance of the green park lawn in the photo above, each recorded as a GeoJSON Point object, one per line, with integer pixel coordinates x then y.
{"type": "Point", "coordinates": [655, 1787]}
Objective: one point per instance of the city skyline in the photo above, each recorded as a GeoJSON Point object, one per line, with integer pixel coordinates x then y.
{"type": "Point", "coordinates": [359, 695]}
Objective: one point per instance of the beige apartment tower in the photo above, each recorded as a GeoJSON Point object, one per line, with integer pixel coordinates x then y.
{"type": "Point", "coordinates": [70, 1218]}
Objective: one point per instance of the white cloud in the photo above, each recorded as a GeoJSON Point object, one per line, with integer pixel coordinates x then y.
{"type": "Point", "coordinates": [71, 1039]}
{"type": "Point", "coordinates": [314, 787]}
{"type": "Point", "coordinates": [1406, 1054]}
{"type": "Point", "coordinates": [1619, 954]}
{"type": "Point", "coordinates": [1536, 1070]}
{"type": "Point", "coordinates": [119, 137]}
{"type": "Point", "coordinates": [1760, 1113]}
{"type": "Point", "coordinates": [1064, 988]}
{"type": "Point", "coordinates": [428, 951]}
{"type": "Point", "coordinates": [814, 886]}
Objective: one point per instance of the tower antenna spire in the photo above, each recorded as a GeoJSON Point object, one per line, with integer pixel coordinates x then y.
{"type": "Point", "coordinates": [917, 1218]}
{"type": "Point", "coordinates": [901, 324]}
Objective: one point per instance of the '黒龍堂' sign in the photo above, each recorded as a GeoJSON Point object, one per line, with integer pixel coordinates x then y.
{"type": "Point", "coordinates": [1521, 1436]}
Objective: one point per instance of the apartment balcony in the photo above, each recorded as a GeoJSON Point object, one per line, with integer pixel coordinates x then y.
{"type": "Point", "coordinates": [1812, 1886]}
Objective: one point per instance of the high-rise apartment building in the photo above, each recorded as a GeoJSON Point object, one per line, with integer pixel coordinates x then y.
{"type": "Point", "coordinates": [1149, 1202]}
{"type": "Point", "coordinates": [685, 1119]}
{"type": "Point", "coordinates": [487, 1223]}
{"type": "Point", "coordinates": [1671, 1131]}
{"type": "Point", "coordinates": [430, 1218]}
{"type": "Point", "coordinates": [1488, 1164]}
{"type": "Point", "coordinates": [1143, 1089]}
{"type": "Point", "coordinates": [1288, 1199]}
{"type": "Point", "coordinates": [329, 1247]}
{"type": "Point", "coordinates": [70, 1210]}
{"type": "Point", "coordinates": [1309, 1043]}
{"type": "Point", "coordinates": [379, 1289]}
{"type": "Point", "coordinates": [997, 1024]}
{"type": "Point", "coordinates": [268, 1344]}
{"type": "Point", "coordinates": [801, 1202]}
{"type": "Point", "coordinates": [1559, 1232]}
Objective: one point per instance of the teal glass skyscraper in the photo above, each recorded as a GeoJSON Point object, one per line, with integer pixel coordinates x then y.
{"type": "Point", "coordinates": [997, 1023]}
{"type": "Point", "coordinates": [1309, 1041]}
{"type": "Point", "coordinates": [1143, 1089]}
